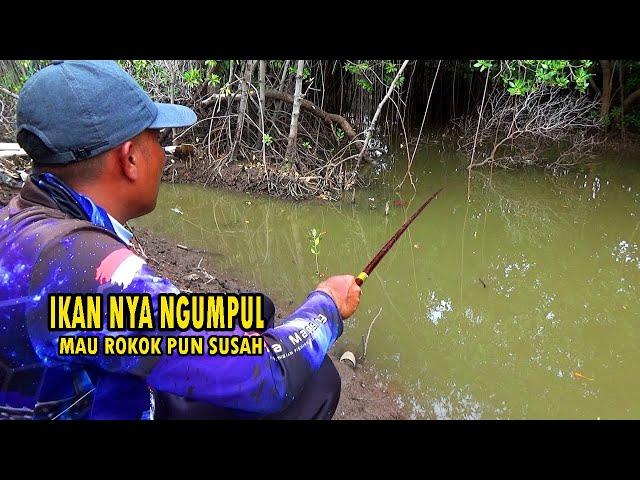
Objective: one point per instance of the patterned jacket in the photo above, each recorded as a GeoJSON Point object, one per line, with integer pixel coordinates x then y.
{"type": "Point", "coordinates": [44, 250]}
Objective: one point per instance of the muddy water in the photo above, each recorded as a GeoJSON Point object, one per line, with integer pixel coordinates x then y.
{"type": "Point", "coordinates": [522, 303]}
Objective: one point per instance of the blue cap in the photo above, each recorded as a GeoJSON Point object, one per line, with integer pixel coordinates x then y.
{"type": "Point", "coordinates": [80, 109]}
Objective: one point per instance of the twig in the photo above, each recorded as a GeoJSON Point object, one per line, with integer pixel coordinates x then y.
{"type": "Point", "coordinates": [366, 342]}
{"type": "Point", "coordinates": [426, 110]}
{"type": "Point", "coordinates": [8, 92]}
{"type": "Point", "coordinates": [378, 110]}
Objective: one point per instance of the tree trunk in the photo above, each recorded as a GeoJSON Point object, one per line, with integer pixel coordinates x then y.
{"type": "Point", "coordinates": [230, 72]}
{"type": "Point", "coordinates": [607, 78]}
{"type": "Point", "coordinates": [172, 86]}
{"type": "Point", "coordinates": [293, 131]}
{"type": "Point", "coordinates": [621, 81]}
{"type": "Point", "coordinates": [246, 81]}
{"type": "Point", "coordinates": [284, 75]}
{"type": "Point", "coordinates": [262, 81]}
{"type": "Point", "coordinates": [262, 74]}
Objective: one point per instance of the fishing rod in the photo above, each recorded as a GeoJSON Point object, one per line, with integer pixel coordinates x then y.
{"type": "Point", "coordinates": [362, 276]}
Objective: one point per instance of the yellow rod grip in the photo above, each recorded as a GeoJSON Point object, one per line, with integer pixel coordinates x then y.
{"type": "Point", "coordinates": [360, 279]}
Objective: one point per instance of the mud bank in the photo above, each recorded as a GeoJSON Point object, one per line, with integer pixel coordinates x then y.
{"type": "Point", "coordinates": [247, 177]}
{"type": "Point", "coordinates": [243, 178]}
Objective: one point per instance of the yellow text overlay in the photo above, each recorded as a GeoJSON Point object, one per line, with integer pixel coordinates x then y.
{"type": "Point", "coordinates": [155, 345]}
{"type": "Point", "coordinates": [170, 312]}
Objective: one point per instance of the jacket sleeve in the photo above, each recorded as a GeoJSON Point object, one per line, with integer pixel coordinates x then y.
{"type": "Point", "coordinates": [92, 262]}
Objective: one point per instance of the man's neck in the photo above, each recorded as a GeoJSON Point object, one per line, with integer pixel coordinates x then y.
{"type": "Point", "coordinates": [107, 198]}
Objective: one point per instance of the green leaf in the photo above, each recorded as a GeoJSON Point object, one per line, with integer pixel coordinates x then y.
{"type": "Point", "coordinates": [192, 77]}
{"type": "Point", "coordinates": [214, 79]}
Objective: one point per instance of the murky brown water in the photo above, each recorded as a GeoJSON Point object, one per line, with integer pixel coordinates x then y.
{"type": "Point", "coordinates": [521, 304]}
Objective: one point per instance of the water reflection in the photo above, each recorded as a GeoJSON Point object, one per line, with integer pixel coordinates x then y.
{"type": "Point", "coordinates": [626, 252]}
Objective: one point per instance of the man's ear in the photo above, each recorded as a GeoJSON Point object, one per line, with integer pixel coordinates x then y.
{"type": "Point", "coordinates": [128, 161]}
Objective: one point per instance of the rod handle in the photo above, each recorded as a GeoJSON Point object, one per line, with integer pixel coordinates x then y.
{"type": "Point", "coordinates": [361, 278]}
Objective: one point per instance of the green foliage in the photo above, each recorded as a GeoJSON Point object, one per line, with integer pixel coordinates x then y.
{"type": "Point", "coordinates": [520, 86]}
{"type": "Point", "coordinates": [214, 79]}
{"type": "Point", "coordinates": [524, 76]}
{"type": "Point", "coordinates": [365, 84]}
{"type": "Point", "coordinates": [23, 69]}
{"type": "Point", "coordinates": [483, 65]}
{"type": "Point", "coordinates": [360, 70]}
{"type": "Point", "coordinates": [339, 133]}
{"type": "Point", "coordinates": [356, 68]}
{"type": "Point", "coordinates": [314, 236]}
{"type": "Point", "coordinates": [141, 68]}
{"type": "Point", "coordinates": [10, 82]}
{"type": "Point", "coordinates": [631, 119]}
{"type": "Point", "coordinates": [216, 70]}
{"type": "Point", "coordinates": [390, 68]}
{"type": "Point", "coordinates": [145, 71]}
{"type": "Point", "coordinates": [193, 77]}
{"type": "Point", "coordinates": [293, 70]}
{"type": "Point", "coordinates": [314, 239]}
{"type": "Point", "coordinates": [306, 145]}
{"type": "Point", "coordinates": [225, 89]}
{"type": "Point", "coordinates": [152, 75]}
{"type": "Point", "coordinates": [276, 64]}
{"type": "Point", "coordinates": [266, 139]}
{"type": "Point", "coordinates": [581, 77]}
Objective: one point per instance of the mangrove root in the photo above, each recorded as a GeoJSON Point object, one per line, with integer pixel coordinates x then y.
{"type": "Point", "coordinates": [329, 118]}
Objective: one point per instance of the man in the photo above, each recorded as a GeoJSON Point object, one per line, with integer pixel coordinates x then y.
{"type": "Point", "coordinates": [92, 133]}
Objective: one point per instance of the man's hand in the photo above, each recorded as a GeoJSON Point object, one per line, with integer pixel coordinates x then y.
{"type": "Point", "coordinates": [344, 291]}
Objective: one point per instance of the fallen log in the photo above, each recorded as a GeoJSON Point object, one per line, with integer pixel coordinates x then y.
{"type": "Point", "coordinates": [9, 146]}
{"type": "Point", "coordinates": [14, 150]}
{"type": "Point", "coordinates": [12, 153]}
{"type": "Point", "coordinates": [180, 150]}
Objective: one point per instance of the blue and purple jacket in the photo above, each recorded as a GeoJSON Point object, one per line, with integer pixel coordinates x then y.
{"type": "Point", "coordinates": [55, 240]}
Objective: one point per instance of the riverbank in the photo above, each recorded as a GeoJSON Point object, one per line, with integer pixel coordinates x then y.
{"type": "Point", "coordinates": [364, 395]}
{"type": "Point", "coordinates": [188, 166]}
{"type": "Point", "coordinates": [244, 176]}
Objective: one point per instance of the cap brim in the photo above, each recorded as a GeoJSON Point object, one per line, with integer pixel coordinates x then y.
{"type": "Point", "coordinates": [173, 116]}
